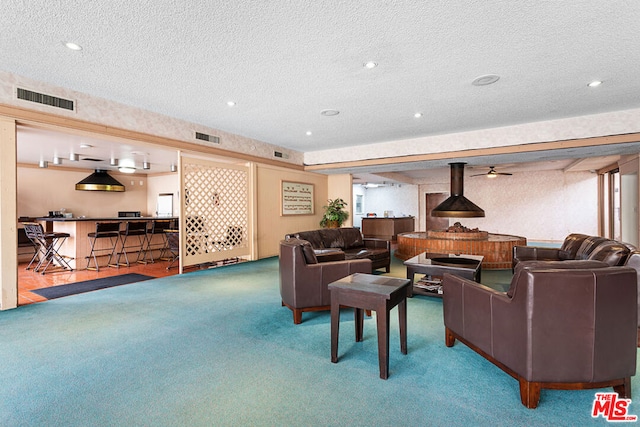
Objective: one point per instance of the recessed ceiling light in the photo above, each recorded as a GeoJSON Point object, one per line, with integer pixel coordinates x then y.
{"type": "Point", "coordinates": [231, 103]}
{"type": "Point", "coordinates": [595, 83]}
{"type": "Point", "coordinates": [485, 80]}
{"type": "Point", "coordinates": [417, 115]}
{"type": "Point", "coordinates": [73, 46]}
{"type": "Point", "coordinates": [309, 133]}
{"type": "Point", "coordinates": [329, 112]}
{"type": "Point", "coordinates": [86, 146]}
{"type": "Point", "coordinates": [370, 64]}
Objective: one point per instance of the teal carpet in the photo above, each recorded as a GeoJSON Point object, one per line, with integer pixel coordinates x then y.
{"type": "Point", "coordinates": [215, 348]}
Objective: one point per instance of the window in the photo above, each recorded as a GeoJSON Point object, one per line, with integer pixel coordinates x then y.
{"type": "Point", "coordinates": [359, 207]}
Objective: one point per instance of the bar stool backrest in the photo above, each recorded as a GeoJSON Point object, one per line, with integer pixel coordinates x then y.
{"type": "Point", "coordinates": [159, 226]}
{"type": "Point", "coordinates": [104, 229]}
{"type": "Point", "coordinates": [135, 227]}
{"type": "Point", "coordinates": [34, 231]}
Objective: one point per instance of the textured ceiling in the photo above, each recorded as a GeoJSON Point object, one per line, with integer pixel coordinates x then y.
{"type": "Point", "coordinates": [283, 62]}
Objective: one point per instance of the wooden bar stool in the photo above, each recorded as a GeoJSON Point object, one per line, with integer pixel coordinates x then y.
{"type": "Point", "coordinates": [104, 230]}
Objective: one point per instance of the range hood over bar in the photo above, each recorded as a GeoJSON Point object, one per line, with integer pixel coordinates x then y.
{"type": "Point", "coordinates": [457, 206]}
{"type": "Point", "coordinates": [100, 180]}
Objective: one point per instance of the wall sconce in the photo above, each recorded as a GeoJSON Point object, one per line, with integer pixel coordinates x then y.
{"type": "Point", "coordinates": [113, 162]}
{"type": "Point", "coordinates": [146, 165]}
{"type": "Point", "coordinates": [74, 157]}
{"type": "Point", "coordinates": [174, 168]}
{"type": "Point", "coordinates": [57, 160]}
{"type": "Point", "coordinates": [43, 164]}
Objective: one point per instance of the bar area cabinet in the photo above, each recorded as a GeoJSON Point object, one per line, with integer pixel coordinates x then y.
{"type": "Point", "coordinates": [387, 228]}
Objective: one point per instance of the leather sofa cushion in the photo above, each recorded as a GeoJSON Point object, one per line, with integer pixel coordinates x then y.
{"type": "Point", "coordinates": [352, 238]}
{"type": "Point", "coordinates": [331, 237]}
{"type": "Point", "coordinates": [565, 255]}
{"type": "Point", "coordinates": [588, 245]}
{"type": "Point", "coordinates": [571, 245]}
{"type": "Point", "coordinates": [326, 255]}
{"type": "Point", "coordinates": [612, 253]}
{"type": "Point", "coordinates": [371, 253]}
{"type": "Point", "coordinates": [312, 237]}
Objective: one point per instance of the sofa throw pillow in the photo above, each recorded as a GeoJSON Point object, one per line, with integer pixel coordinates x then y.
{"type": "Point", "coordinates": [309, 254]}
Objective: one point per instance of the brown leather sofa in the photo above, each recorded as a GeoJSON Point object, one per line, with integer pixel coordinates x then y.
{"type": "Point", "coordinates": [581, 247]}
{"type": "Point", "coordinates": [331, 244]}
{"type": "Point", "coordinates": [569, 328]}
{"type": "Point", "coordinates": [576, 247]}
{"type": "Point", "coordinates": [304, 280]}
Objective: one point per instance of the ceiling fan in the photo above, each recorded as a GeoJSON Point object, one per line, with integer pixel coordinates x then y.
{"type": "Point", "coordinates": [492, 173]}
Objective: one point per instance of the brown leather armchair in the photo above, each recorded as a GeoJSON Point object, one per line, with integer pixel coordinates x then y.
{"type": "Point", "coordinates": [554, 328]}
{"type": "Point", "coordinates": [303, 281]}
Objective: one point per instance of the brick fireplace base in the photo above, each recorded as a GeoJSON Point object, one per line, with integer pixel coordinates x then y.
{"type": "Point", "coordinates": [497, 249]}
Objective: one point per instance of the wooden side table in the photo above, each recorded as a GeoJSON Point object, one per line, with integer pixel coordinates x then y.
{"type": "Point", "coordinates": [370, 292]}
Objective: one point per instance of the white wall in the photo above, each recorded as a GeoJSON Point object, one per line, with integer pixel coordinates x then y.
{"type": "Point", "coordinates": [163, 183]}
{"type": "Point", "coordinates": [402, 199]}
{"type": "Point", "coordinates": [541, 206]}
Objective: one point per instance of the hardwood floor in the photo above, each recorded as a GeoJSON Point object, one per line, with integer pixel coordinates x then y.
{"type": "Point", "coordinates": [29, 280]}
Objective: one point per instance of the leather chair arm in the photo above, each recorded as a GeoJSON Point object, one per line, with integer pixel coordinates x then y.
{"type": "Point", "coordinates": [467, 309]}
{"type": "Point", "coordinates": [523, 253]}
{"type": "Point", "coordinates": [333, 270]}
{"type": "Point", "coordinates": [376, 243]}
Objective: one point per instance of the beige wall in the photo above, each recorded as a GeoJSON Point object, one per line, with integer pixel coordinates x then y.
{"type": "Point", "coordinates": [341, 186]}
{"type": "Point", "coordinates": [41, 190]}
{"type": "Point", "coordinates": [271, 226]}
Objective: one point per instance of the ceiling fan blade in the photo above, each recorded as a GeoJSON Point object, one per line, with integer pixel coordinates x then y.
{"type": "Point", "coordinates": [492, 173]}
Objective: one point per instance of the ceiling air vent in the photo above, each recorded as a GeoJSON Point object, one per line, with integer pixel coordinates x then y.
{"type": "Point", "coordinates": [41, 98]}
{"type": "Point", "coordinates": [210, 138]}
{"type": "Point", "coordinates": [281, 155]}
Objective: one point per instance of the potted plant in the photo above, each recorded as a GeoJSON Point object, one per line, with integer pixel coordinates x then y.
{"type": "Point", "coordinates": [334, 214]}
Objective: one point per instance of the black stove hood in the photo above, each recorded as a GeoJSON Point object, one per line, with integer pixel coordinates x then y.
{"type": "Point", "coordinates": [457, 206]}
{"type": "Point", "coordinates": [100, 180]}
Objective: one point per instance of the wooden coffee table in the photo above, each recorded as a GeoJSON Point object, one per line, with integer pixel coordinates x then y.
{"type": "Point", "coordinates": [434, 265]}
{"type": "Point", "coordinates": [370, 292]}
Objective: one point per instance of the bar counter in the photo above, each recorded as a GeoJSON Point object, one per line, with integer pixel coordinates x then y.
{"type": "Point", "coordinates": [78, 247]}
{"type": "Point", "coordinates": [386, 228]}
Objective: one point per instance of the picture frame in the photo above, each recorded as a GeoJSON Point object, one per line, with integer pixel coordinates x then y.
{"type": "Point", "coordinates": [296, 198]}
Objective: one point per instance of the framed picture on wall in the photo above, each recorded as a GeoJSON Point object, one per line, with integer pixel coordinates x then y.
{"type": "Point", "coordinates": [296, 198]}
